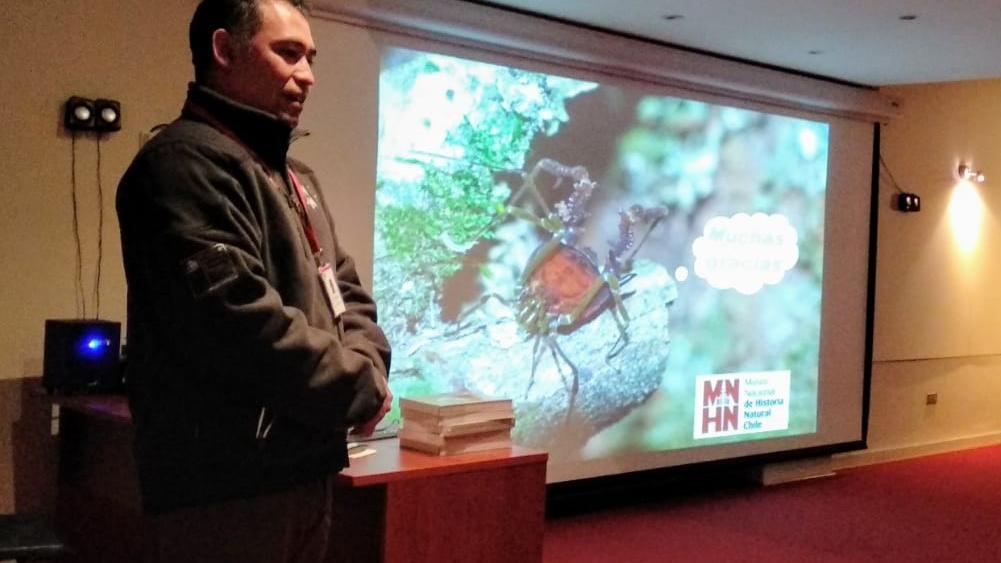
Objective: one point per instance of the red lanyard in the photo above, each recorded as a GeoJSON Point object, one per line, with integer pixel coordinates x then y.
{"type": "Point", "coordinates": [307, 227]}
{"type": "Point", "coordinates": [300, 192]}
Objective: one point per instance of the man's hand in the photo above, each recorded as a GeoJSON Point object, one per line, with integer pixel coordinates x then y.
{"type": "Point", "coordinates": [366, 428]}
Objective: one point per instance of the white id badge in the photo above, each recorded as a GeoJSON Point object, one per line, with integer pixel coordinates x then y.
{"type": "Point", "coordinates": [329, 283]}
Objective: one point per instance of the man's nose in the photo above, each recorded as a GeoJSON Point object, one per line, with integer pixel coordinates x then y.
{"type": "Point", "coordinates": [304, 73]}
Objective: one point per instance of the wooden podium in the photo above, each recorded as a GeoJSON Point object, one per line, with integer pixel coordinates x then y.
{"type": "Point", "coordinates": [399, 506]}
{"type": "Point", "coordinates": [395, 506]}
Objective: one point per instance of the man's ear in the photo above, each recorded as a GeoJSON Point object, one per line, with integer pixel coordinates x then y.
{"type": "Point", "coordinates": [223, 48]}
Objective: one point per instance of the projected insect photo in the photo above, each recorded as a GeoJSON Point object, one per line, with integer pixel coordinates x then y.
{"type": "Point", "coordinates": [638, 272]}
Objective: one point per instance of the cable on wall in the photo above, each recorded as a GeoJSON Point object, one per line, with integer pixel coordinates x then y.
{"type": "Point", "coordinates": [100, 116]}
{"type": "Point", "coordinates": [81, 301]}
{"type": "Point", "coordinates": [886, 168]}
{"type": "Point", "coordinates": [100, 233]}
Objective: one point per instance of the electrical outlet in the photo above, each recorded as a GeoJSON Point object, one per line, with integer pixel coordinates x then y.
{"type": "Point", "coordinates": [931, 399]}
{"type": "Point", "coordinates": [54, 420]}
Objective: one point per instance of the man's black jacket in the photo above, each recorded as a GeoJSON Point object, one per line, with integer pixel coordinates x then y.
{"type": "Point", "coordinates": [240, 381]}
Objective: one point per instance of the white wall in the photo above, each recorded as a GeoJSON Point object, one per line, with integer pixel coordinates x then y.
{"type": "Point", "coordinates": [133, 51]}
{"type": "Point", "coordinates": [938, 314]}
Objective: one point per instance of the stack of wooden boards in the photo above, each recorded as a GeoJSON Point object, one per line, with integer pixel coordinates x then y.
{"type": "Point", "coordinates": [454, 423]}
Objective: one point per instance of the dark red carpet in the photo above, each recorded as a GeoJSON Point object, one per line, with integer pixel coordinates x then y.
{"type": "Point", "coordinates": [943, 508]}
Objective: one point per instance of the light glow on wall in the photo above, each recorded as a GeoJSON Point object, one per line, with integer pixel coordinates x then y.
{"type": "Point", "coordinates": [966, 212]}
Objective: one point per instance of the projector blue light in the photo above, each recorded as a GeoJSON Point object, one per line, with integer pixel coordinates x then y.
{"type": "Point", "coordinates": [94, 347]}
{"type": "Point", "coordinates": [81, 356]}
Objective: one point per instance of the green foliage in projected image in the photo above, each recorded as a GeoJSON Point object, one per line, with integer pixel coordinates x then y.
{"type": "Point", "coordinates": [448, 130]}
{"type": "Point", "coordinates": [464, 208]}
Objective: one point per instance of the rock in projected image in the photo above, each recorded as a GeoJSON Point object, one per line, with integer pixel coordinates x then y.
{"type": "Point", "coordinates": [498, 357]}
{"type": "Point", "coordinates": [568, 326]}
{"type": "Point", "coordinates": [745, 252]}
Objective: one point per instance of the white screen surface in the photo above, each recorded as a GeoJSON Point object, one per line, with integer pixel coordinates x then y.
{"type": "Point", "coordinates": [746, 280]}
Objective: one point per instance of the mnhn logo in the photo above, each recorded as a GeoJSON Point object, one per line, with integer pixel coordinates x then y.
{"type": "Point", "coordinates": [719, 410]}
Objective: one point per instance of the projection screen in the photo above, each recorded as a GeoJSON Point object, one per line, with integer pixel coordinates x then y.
{"type": "Point", "coordinates": [655, 275]}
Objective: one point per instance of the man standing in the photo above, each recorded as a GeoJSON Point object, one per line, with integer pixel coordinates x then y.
{"type": "Point", "coordinates": [252, 346]}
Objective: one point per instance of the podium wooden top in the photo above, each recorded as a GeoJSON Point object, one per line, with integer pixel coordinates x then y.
{"type": "Point", "coordinates": [108, 407]}
{"type": "Point", "coordinates": [391, 463]}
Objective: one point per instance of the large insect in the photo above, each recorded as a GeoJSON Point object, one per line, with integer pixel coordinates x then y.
{"type": "Point", "coordinates": [562, 287]}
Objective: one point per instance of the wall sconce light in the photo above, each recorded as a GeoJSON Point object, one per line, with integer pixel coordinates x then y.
{"type": "Point", "coordinates": [967, 173]}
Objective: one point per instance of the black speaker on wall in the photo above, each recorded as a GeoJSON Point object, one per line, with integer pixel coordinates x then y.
{"type": "Point", "coordinates": [82, 356]}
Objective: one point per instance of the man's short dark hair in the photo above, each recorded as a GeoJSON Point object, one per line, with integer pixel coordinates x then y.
{"type": "Point", "coordinates": [241, 18]}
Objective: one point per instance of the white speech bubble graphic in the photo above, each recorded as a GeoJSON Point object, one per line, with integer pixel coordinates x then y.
{"type": "Point", "coordinates": [745, 252]}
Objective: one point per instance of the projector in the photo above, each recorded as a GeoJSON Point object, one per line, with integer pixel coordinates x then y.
{"type": "Point", "coordinates": [81, 356]}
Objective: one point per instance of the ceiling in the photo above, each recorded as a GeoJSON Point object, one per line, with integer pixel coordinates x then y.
{"type": "Point", "coordinates": [869, 42]}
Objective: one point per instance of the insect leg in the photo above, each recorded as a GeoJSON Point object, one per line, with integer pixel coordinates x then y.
{"type": "Point", "coordinates": [554, 347]}
{"type": "Point", "coordinates": [536, 355]}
